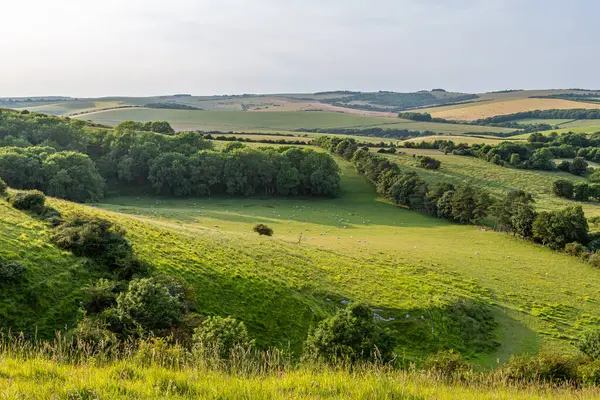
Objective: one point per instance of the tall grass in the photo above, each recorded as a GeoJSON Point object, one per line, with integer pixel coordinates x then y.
{"type": "Point", "coordinates": [72, 369]}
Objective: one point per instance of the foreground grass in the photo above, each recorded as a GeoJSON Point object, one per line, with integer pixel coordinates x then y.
{"type": "Point", "coordinates": [39, 378]}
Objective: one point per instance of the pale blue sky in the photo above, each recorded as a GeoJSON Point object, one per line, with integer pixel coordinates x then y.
{"type": "Point", "coordinates": [144, 47]}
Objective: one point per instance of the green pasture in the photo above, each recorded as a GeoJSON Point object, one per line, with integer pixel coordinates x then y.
{"type": "Point", "coordinates": [258, 121]}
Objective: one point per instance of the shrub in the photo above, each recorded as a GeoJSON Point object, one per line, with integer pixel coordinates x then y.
{"type": "Point", "coordinates": [590, 344]}
{"type": "Point", "coordinates": [429, 162]}
{"type": "Point", "coordinates": [448, 364]}
{"type": "Point", "coordinates": [222, 335]}
{"type": "Point", "coordinates": [581, 191]}
{"type": "Point", "coordinates": [100, 296]}
{"type": "Point", "coordinates": [11, 272]}
{"type": "Point", "coordinates": [263, 229]}
{"type": "Point", "coordinates": [29, 200]}
{"type": "Point", "coordinates": [594, 260]}
{"type": "Point", "coordinates": [148, 305]}
{"type": "Point", "coordinates": [590, 373]}
{"type": "Point", "coordinates": [545, 367]}
{"type": "Point", "coordinates": [563, 188]}
{"type": "Point", "coordinates": [352, 335]}
{"type": "Point", "coordinates": [101, 240]}
{"type": "Point", "coordinates": [574, 249]}
{"type": "Point", "coordinates": [94, 330]}
{"type": "Point", "coordinates": [3, 187]}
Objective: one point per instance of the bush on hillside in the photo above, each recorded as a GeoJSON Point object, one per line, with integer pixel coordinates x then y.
{"type": "Point", "coordinates": [429, 162]}
{"type": "Point", "coordinates": [29, 200]}
{"type": "Point", "coordinates": [147, 306]}
{"type": "Point", "coordinates": [563, 188]}
{"type": "Point", "coordinates": [574, 249]}
{"type": "Point", "coordinates": [222, 336]}
{"type": "Point", "coordinates": [590, 344]}
{"type": "Point", "coordinates": [447, 364]}
{"type": "Point", "coordinates": [11, 272]}
{"type": "Point", "coordinates": [594, 260]}
{"type": "Point", "coordinates": [590, 373]}
{"type": "Point", "coordinates": [3, 187]}
{"type": "Point", "coordinates": [351, 335]}
{"type": "Point", "coordinates": [101, 240]}
{"type": "Point", "coordinates": [550, 368]}
{"type": "Point", "coordinates": [263, 229]}
{"type": "Point", "coordinates": [100, 295]}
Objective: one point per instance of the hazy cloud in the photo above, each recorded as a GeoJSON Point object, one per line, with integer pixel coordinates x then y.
{"type": "Point", "coordinates": [135, 47]}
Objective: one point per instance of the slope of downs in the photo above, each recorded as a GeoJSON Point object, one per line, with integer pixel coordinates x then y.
{"type": "Point", "coordinates": [357, 248]}
{"type": "Point", "coordinates": [49, 297]}
{"type": "Point", "coordinates": [409, 266]}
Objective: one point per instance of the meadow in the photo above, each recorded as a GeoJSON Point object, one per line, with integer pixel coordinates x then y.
{"type": "Point", "coordinates": [226, 121]}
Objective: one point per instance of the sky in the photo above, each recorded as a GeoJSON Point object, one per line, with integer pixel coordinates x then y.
{"type": "Point", "coordinates": [84, 48]}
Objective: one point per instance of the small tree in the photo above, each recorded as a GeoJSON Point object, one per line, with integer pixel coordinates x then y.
{"type": "Point", "coordinates": [578, 166]}
{"type": "Point", "coordinates": [148, 305]}
{"type": "Point", "coordinates": [3, 187]}
{"type": "Point", "coordinates": [581, 191]}
{"type": "Point", "coordinates": [574, 249]}
{"type": "Point", "coordinates": [222, 335]}
{"type": "Point", "coordinates": [263, 229]}
{"type": "Point", "coordinates": [563, 188]}
{"type": "Point", "coordinates": [351, 335]}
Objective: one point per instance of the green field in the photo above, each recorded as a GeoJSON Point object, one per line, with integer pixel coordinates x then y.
{"type": "Point", "coordinates": [256, 121]}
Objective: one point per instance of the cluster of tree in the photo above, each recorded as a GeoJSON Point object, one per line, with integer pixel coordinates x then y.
{"type": "Point", "coordinates": [576, 113]}
{"type": "Point", "coordinates": [532, 155]}
{"type": "Point", "coordinates": [151, 126]}
{"type": "Point", "coordinates": [63, 174]}
{"type": "Point", "coordinates": [383, 150]}
{"type": "Point", "coordinates": [581, 191]}
{"type": "Point", "coordinates": [297, 142]}
{"type": "Point", "coordinates": [463, 204]}
{"type": "Point", "coordinates": [172, 106]}
{"type": "Point", "coordinates": [591, 97]}
{"type": "Point", "coordinates": [555, 229]}
{"type": "Point", "coordinates": [238, 170]}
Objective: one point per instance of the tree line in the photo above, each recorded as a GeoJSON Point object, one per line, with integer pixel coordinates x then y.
{"type": "Point", "coordinates": [72, 160]}
{"type": "Point", "coordinates": [538, 153]}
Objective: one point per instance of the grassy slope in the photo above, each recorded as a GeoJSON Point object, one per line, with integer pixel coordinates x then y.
{"type": "Point", "coordinates": [49, 299]}
{"type": "Point", "coordinates": [391, 258]}
{"type": "Point", "coordinates": [257, 121]}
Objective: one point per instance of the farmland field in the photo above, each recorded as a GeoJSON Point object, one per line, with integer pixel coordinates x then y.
{"type": "Point", "coordinates": [490, 108]}
{"type": "Point", "coordinates": [183, 120]}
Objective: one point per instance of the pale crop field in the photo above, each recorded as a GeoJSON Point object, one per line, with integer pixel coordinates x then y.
{"type": "Point", "coordinates": [486, 109]}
